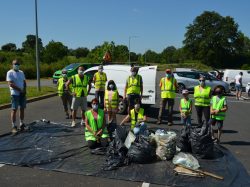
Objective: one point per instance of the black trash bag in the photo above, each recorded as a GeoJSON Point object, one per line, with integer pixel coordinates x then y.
{"type": "Point", "coordinates": [111, 129]}
{"type": "Point", "coordinates": [183, 141]}
{"type": "Point", "coordinates": [201, 141]}
{"type": "Point", "coordinates": [117, 151]}
{"type": "Point", "coordinates": [142, 151]}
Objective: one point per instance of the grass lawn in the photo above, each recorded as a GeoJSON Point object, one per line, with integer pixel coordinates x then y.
{"type": "Point", "coordinates": [31, 92]}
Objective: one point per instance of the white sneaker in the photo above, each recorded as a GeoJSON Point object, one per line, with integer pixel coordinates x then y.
{"type": "Point", "coordinates": [82, 122]}
{"type": "Point", "coordinates": [73, 124]}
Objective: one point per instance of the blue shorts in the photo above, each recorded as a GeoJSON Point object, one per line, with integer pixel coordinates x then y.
{"type": "Point", "coordinates": [17, 100]}
{"type": "Point", "coordinates": [238, 87]}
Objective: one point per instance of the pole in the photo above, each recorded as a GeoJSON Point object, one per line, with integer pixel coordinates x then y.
{"type": "Point", "coordinates": [37, 53]}
{"type": "Point", "coordinates": [129, 49]}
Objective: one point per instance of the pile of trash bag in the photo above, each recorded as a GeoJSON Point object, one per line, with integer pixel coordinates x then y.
{"type": "Point", "coordinates": [142, 150]}
{"type": "Point", "coordinates": [197, 140]}
{"type": "Point", "coordinates": [166, 144]}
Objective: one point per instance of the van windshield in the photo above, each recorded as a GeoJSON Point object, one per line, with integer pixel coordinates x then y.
{"type": "Point", "coordinates": [71, 66]}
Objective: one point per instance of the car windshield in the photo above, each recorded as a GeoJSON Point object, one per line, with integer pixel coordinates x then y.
{"type": "Point", "coordinates": [71, 66]}
{"type": "Point", "coordinates": [209, 77]}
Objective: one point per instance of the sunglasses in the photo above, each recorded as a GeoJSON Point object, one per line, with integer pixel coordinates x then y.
{"type": "Point", "coordinates": [202, 80]}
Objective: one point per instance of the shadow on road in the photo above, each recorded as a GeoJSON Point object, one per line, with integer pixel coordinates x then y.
{"type": "Point", "coordinates": [236, 143]}
{"type": "Point", "coordinates": [229, 131]}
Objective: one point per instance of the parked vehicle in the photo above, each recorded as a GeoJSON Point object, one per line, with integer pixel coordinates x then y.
{"type": "Point", "coordinates": [185, 69]}
{"type": "Point", "coordinates": [120, 73]}
{"type": "Point", "coordinates": [188, 80]}
{"type": "Point", "coordinates": [229, 77]}
{"type": "Point", "coordinates": [71, 69]}
{"type": "Point", "coordinates": [248, 89]}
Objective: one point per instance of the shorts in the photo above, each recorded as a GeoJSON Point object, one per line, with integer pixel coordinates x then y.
{"type": "Point", "coordinates": [219, 123]}
{"type": "Point", "coordinates": [238, 87]}
{"type": "Point", "coordinates": [132, 98]}
{"type": "Point", "coordinates": [79, 102]}
{"type": "Point", "coordinates": [18, 100]}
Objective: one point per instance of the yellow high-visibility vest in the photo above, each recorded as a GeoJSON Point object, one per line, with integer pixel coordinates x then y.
{"type": "Point", "coordinates": [139, 117]}
{"type": "Point", "coordinates": [168, 88]}
{"type": "Point", "coordinates": [134, 84]}
{"type": "Point", "coordinates": [100, 80]}
{"type": "Point", "coordinates": [113, 104]}
{"type": "Point", "coordinates": [202, 98]}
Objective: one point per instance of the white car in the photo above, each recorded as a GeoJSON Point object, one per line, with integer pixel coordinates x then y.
{"type": "Point", "coordinates": [248, 89]}
{"type": "Point", "coordinates": [120, 73]}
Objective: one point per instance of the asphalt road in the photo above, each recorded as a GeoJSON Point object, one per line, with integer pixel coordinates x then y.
{"type": "Point", "coordinates": [236, 138]}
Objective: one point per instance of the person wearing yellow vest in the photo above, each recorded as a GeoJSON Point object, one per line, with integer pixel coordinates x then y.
{"type": "Point", "coordinates": [137, 117]}
{"type": "Point", "coordinates": [218, 110]}
{"type": "Point", "coordinates": [185, 109]}
{"type": "Point", "coordinates": [202, 96]}
{"type": "Point", "coordinates": [64, 94]}
{"type": "Point", "coordinates": [133, 88]}
{"type": "Point", "coordinates": [96, 133]}
{"type": "Point", "coordinates": [168, 86]}
{"type": "Point", "coordinates": [81, 86]}
{"type": "Point", "coordinates": [100, 79]}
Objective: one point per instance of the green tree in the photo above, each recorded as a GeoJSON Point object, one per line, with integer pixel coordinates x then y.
{"type": "Point", "coordinates": [167, 55]}
{"type": "Point", "coordinates": [29, 45]}
{"type": "Point", "coordinates": [152, 56]}
{"type": "Point", "coordinates": [120, 53]}
{"type": "Point", "coordinates": [9, 47]}
{"type": "Point", "coordinates": [80, 52]}
{"type": "Point", "coordinates": [54, 51]}
{"type": "Point", "coordinates": [213, 39]}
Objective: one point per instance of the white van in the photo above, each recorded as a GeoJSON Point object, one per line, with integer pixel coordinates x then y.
{"type": "Point", "coordinates": [120, 73]}
{"type": "Point", "coordinates": [229, 75]}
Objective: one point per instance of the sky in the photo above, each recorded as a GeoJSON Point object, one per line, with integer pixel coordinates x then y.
{"type": "Point", "coordinates": [156, 24]}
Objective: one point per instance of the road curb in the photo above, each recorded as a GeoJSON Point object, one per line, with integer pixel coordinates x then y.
{"type": "Point", "coordinates": [33, 99]}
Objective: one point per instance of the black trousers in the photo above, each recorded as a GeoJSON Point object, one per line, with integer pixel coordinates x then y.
{"type": "Point", "coordinates": [100, 96]}
{"type": "Point", "coordinates": [94, 144]}
{"type": "Point", "coordinates": [203, 110]}
{"type": "Point", "coordinates": [170, 105]}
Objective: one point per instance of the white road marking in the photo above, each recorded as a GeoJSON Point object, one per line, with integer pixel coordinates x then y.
{"type": "Point", "coordinates": [144, 184]}
{"type": "Point", "coordinates": [1, 165]}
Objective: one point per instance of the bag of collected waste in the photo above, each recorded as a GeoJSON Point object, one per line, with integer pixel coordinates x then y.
{"type": "Point", "coordinates": [166, 144]}
{"type": "Point", "coordinates": [186, 160]}
{"type": "Point", "coordinates": [130, 139]}
{"type": "Point", "coordinates": [183, 142]}
{"type": "Point", "coordinates": [117, 151]}
{"type": "Point", "coordinates": [201, 141]}
{"type": "Point", "coordinates": [142, 150]}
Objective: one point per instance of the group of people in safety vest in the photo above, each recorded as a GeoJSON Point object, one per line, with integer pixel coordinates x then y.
{"type": "Point", "coordinates": [74, 91]}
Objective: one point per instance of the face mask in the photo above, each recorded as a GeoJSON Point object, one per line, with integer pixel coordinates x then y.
{"type": "Point", "coordinates": [80, 72]}
{"type": "Point", "coordinates": [168, 75]}
{"type": "Point", "coordinates": [218, 93]}
{"type": "Point", "coordinates": [111, 86]}
{"type": "Point", "coordinates": [95, 107]}
{"type": "Point", "coordinates": [202, 83]}
{"type": "Point", "coordinates": [133, 73]}
{"type": "Point", "coordinates": [64, 75]}
{"type": "Point", "coordinates": [100, 70]}
{"type": "Point", "coordinates": [137, 107]}
{"type": "Point", "coordinates": [16, 67]}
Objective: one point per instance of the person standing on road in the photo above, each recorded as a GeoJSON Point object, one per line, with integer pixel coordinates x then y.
{"type": "Point", "coordinates": [238, 85]}
{"type": "Point", "coordinates": [81, 86]}
{"type": "Point", "coordinates": [202, 96]}
{"type": "Point", "coordinates": [185, 109]}
{"type": "Point", "coordinates": [111, 101]}
{"type": "Point", "coordinates": [100, 79]}
{"type": "Point", "coordinates": [134, 88]}
{"type": "Point", "coordinates": [65, 94]}
{"type": "Point", "coordinates": [17, 84]}
{"type": "Point", "coordinates": [96, 133]}
{"type": "Point", "coordinates": [137, 117]}
{"type": "Point", "coordinates": [218, 110]}
{"type": "Point", "coordinates": [168, 87]}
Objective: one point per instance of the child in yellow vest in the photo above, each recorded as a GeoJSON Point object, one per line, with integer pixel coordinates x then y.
{"type": "Point", "coordinates": [218, 110]}
{"type": "Point", "coordinates": [185, 108]}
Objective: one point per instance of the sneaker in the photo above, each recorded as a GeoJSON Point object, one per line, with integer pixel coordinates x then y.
{"type": "Point", "coordinates": [14, 130]}
{"type": "Point", "coordinates": [82, 122]}
{"type": "Point", "coordinates": [158, 122]}
{"type": "Point", "coordinates": [170, 123]}
{"type": "Point", "coordinates": [22, 127]}
{"type": "Point", "coordinates": [73, 124]}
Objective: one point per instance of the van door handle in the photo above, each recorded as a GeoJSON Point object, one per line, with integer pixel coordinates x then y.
{"type": "Point", "coordinates": [150, 91]}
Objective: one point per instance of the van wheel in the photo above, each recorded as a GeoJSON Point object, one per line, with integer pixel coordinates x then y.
{"type": "Point", "coordinates": [248, 93]}
{"type": "Point", "coordinates": [122, 106]}
{"type": "Point", "coordinates": [180, 88]}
